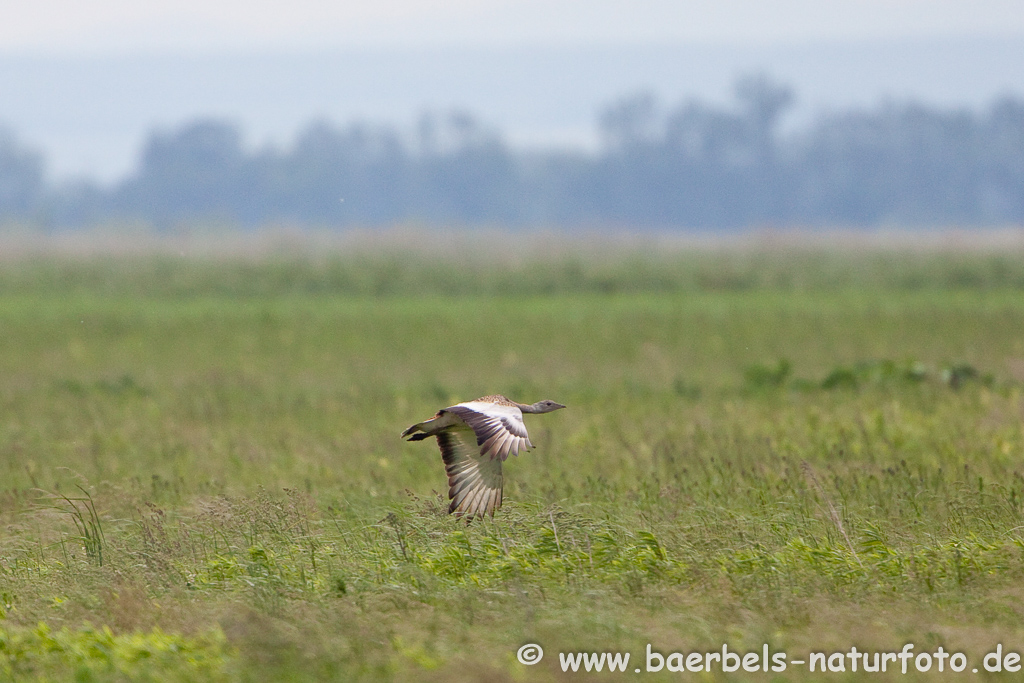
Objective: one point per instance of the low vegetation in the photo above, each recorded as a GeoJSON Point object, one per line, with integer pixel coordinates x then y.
{"type": "Point", "coordinates": [203, 480]}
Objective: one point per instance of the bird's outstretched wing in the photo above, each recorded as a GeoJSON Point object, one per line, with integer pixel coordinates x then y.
{"type": "Point", "coordinates": [499, 429]}
{"type": "Point", "coordinates": [474, 480]}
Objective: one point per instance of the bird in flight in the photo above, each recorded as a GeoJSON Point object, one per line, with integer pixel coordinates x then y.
{"type": "Point", "coordinates": [474, 438]}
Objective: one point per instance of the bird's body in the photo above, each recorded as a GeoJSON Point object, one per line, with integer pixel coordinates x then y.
{"type": "Point", "coordinates": [475, 437]}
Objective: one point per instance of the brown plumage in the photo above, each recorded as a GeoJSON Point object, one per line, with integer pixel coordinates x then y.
{"type": "Point", "coordinates": [475, 437]}
{"type": "Point", "coordinates": [497, 399]}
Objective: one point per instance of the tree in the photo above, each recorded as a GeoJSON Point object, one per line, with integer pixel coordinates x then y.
{"type": "Point", "coordinates": [192, 173]}
{"type": "Point", "coordinates": [21, 178]}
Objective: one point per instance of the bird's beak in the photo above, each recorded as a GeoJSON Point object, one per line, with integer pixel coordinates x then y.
{"type": "Point", "coordinates": [558, 405]}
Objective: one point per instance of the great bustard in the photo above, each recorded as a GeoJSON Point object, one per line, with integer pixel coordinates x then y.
{"type": "Point", "coordinates": [474, 438]}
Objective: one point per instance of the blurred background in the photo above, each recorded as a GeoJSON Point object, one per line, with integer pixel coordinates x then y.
{"type": "Point", "coordinates": [599, 115]}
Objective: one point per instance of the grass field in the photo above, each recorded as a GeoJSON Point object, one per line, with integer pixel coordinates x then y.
{"type": "Point", "coordinates": [202, 477]}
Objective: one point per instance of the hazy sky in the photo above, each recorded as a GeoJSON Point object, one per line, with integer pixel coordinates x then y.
{"type": "Point", "coordinates": [85, 81]}
{"type": "Point", "coordinates": [112, 26]}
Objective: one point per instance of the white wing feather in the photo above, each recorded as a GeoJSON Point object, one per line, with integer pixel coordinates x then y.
{"type": "Point", "coordinates": [474, 480]}
{"type": "Point", "coordinates": [499, 429]}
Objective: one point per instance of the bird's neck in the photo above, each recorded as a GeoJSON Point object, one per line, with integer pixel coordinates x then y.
{"type": "Point", "coordinates": [532, 408]}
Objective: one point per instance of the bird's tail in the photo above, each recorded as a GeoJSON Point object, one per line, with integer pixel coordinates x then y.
{"type": "Point", "coordinates": [430, 427]}
{"type": "Point", "coordinates": [418, 427]}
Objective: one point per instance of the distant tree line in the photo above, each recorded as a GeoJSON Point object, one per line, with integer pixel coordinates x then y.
{"type": "Point", "coordinates": [692, 166]}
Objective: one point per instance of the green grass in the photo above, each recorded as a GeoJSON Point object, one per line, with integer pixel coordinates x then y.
{"type": "Point", "coordinates": [202, 477]}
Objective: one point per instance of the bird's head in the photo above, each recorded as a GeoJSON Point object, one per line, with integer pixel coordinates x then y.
{"type": "Point", "coordinates": [545, 406]}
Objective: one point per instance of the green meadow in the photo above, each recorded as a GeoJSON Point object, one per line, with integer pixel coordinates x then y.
{"type": "Point", "coordinates": [201, 475]}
